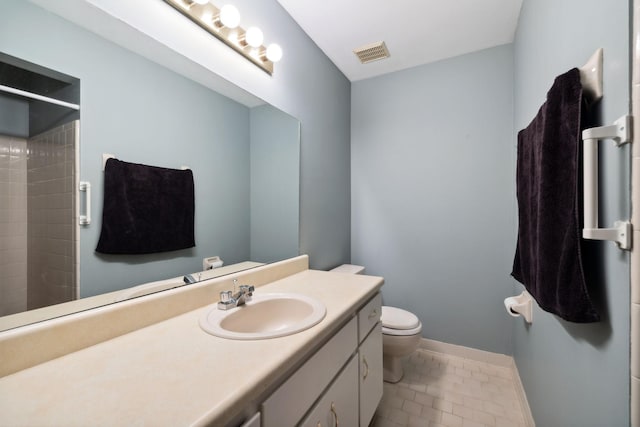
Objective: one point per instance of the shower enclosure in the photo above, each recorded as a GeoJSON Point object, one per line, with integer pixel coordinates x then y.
{"type": "Point", "coordinates": [39, 135]}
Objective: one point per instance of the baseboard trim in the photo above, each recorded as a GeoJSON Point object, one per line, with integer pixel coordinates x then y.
{"type": "Point", "coordinates": [522, 396]}
{"type": "Point", "coordinates": [467, 352]}
{"type": "Point", "coordinates": [486, 357]}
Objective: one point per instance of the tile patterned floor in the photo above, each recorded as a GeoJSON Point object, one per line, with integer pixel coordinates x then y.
{"type": "Point", "coordinates": [439, 390]}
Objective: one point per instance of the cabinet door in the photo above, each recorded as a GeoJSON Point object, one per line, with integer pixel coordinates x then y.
{"type": "Point", "coordinates": [370, 358]}
{"type": "Point", "coordinates": [287, 405]}
{"type": "Point", "coordinates": [339, 404]}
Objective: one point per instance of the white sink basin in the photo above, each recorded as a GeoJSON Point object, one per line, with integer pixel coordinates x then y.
{"type": "Point", "coordinates": [265, 316]}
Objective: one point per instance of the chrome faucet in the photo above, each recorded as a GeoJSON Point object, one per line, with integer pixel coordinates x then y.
{"type": "Point", "coordinates": [230, 300]}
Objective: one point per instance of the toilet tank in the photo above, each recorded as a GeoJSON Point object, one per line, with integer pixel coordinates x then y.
{"type": "Point", "coordinates": [349, 268]}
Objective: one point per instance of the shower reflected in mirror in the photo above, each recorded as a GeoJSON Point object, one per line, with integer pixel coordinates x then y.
{"type": "Point", "coordinates": [39, 141]}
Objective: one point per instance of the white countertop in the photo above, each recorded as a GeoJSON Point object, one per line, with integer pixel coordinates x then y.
{"type": "Point", "coordinates": [57, 310]}
{"type": "Point", "coordinates": [173, 373]}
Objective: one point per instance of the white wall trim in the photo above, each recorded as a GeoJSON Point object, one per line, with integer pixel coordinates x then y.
{"type": "Point", "coordinates": [485, 357]}
{"type": "Point", "coordinates": [467, 352]}
{"type": "Point", "coordinates": [635, 219]}
{"type": "Point", "coordinates": [522, 396]}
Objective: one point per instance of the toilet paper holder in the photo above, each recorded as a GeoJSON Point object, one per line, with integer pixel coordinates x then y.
{"type": "Point", "coordinates": [520, 305]}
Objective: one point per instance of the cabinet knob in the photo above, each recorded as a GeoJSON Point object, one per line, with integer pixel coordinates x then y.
{"type": "Point", "coordinates": [374, 313]}
{"type": "Point", "coordinates": [335, 413]}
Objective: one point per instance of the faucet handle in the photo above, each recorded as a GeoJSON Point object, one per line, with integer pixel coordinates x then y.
{"type": "Point", "coordinates": [226, 300]}
{"type": "Point", "coordinates": [225, 296]}
{"type": "Point", "coordinates": [248, 289]}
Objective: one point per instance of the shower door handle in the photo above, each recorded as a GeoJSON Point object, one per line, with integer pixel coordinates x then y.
{"type": "Point", "coordinates": [85, 187]}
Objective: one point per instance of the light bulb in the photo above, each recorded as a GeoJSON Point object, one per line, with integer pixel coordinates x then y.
{"type": "Point", "coordinates": [201, 1]}
{"type": "Point", "coordinates": [229, 16]}
{"type": "Point", "coordinates": [254, 37]}
{"type": "Point", "coordinates": [274, 52]}
{"type": "Point", "coordinates": [207, 17]}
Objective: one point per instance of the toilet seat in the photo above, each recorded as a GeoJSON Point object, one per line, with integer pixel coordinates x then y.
{"type": "Point", "coordinates": [401, 332]}
{"type": "Point", "coordinates": [396, 321]}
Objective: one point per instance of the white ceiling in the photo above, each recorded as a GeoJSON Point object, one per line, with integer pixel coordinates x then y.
{"type": "Point", "coordinates": [415, 31]}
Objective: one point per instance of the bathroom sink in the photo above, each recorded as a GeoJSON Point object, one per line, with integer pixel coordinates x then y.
{"type": "Point", "coordinates": [264, 316]}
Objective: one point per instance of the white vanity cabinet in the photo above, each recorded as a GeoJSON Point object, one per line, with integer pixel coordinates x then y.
{"type": "Point", "coordinates": [370, 358]}
{"type": "Point", "coordinates": [339, 404]}
{"type": "Point", "coordinates": [288, 404]}
{"type": "Point", "coordinates": [340, 384]}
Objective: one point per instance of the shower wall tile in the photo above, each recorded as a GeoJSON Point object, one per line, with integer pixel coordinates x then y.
{"type": "Point", "coordinates": [13, 225]}
{"type": "Point", "coordinates": [14, 298]}
{"type": "Point", "coordinates": [52, 233]}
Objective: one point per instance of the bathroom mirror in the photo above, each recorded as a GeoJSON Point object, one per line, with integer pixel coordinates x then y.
{"type": "Point", "coordinates": [244, 157]}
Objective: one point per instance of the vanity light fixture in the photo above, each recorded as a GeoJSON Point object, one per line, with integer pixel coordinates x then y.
{"type": "Point", "coordinates": [224, 24]}
{"type": "Point", "coordinates": [274, 52]}
{"type": "Point", "coordinates": [229, 16]}
{"type": "Point", "coordinates": [254, 37]}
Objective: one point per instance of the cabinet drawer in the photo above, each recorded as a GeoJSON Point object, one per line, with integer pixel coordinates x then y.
{"type": "Point", "coordinates": [287, 405]}
{"type": "Point", "coordinates": [368, 316]}
{"type": "Point", "coordinates": [339, 404]}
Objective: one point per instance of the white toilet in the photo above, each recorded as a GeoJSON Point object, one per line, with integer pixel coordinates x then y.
{"type": "Point", "coordinates": [401, 333]}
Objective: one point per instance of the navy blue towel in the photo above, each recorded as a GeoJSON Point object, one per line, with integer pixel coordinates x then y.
{"type": "Point", "coordinates": [146, 209]}
{"type": "Point", "coordinates": [548, 255]}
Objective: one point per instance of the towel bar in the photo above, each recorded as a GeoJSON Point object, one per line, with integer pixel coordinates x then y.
{"type": "Point", "coordinates": [620, 133]}
{"type": "Point", "coordinates": [107, 156]}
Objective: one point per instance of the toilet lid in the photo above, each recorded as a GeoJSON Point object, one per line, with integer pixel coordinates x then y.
{"type": "Point", "coordinates": [397, 318]}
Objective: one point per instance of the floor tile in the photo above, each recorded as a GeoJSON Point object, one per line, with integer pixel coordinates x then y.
{"type": "Point", "coordinates": [439, 390]}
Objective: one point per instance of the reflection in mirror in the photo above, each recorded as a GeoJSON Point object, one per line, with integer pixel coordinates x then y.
{"type": "Point", "coordinates": [38, 174]}
{"type": "Point", "coordinates": [245, 162]}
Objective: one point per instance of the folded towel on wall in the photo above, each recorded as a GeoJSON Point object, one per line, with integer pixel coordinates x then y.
{"type": "Point", "coordinates": [548, 254]}
{"type": "Point", "coordinates": [146, 209]}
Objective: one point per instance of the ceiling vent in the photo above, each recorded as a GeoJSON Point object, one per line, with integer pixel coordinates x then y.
{"type": "Point", "coordinates": [372, 52]}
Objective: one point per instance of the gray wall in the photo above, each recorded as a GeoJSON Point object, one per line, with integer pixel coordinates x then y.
{"type": "Point", "coordinates": [307, 86]}
{"type": "Point", "coordinates": [432, 193]}
{"type": "Point", "coordinates": [274, 184]}
{"type": "Point", "coordinates": [143, 113]}
{"type": "Point", "coordinates": [14, 117]}
{"type": "Point", "coordinates": [578, 375]}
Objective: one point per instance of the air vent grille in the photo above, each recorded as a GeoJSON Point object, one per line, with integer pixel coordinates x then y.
{"type": "Point", "coordinates": [372, 52]}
